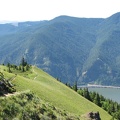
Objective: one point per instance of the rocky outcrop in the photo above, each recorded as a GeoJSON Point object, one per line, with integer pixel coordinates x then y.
{"type": "Point", "coordinates": [94, 116]}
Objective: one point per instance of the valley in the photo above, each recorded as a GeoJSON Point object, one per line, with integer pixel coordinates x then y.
{"type": "Point", "coordinates": [71, 49]}
{"type": "Point", "coordinates": [59, 53]}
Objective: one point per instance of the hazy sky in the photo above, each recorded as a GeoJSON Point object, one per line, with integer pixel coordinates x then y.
{"type": "Point", "coordinates": [23, 10]}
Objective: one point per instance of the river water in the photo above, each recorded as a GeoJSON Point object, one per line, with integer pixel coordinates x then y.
{"type": "Point", "coordinates": [111, 93]}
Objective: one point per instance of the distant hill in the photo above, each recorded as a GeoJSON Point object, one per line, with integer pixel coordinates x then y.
{"type": "Point", "coordinates": [71, 49]}
{"type": "Point", "coordinates": [54, 93]}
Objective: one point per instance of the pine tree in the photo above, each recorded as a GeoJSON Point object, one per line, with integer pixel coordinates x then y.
{"type": "Point", "coordinates": [23, 62]}
{"type": "Point", "coordinates": [97, 100]}
{"type": "Point", "coordinates": [92, 95]}
{"type": "Point", "coordinates": [111, 108]}
{"type": "Point", "coordinates": [75, 86]}
{"type": "Point", "coordinates": [8, 65]}
{"type": "Point", "coordinates": [86, 94]}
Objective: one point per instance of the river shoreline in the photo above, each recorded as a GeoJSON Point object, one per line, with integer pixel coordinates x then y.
{"type": "Point", "coordinates": [98, 86]}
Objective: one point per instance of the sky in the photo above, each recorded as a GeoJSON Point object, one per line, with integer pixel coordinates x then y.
{"type": "Point", "coordinates": [36, 10]}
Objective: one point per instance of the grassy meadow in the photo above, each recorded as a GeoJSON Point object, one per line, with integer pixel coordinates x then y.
{"type": "Point", "coordinates": [53, 91]}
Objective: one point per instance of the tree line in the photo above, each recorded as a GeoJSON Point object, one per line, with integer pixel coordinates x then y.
{"type": "Point", "coordinates": [23, 67]}
{"type": "Point", "coordinates": [6, 85]}
{"type": "Point", "coordinates": [113, 108]}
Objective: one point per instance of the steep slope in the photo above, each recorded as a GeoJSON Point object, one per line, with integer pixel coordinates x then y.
{"type": "Point", "coordinates": [103, 63]}
{"type": "Point", "coordinates": [54, 92]}
{"type": "Point", "coordinates": [26, 105]}
{"type": "Point", "coordinates": [59, 46]}
{"type": "Point", "coordinates": [70, 49]}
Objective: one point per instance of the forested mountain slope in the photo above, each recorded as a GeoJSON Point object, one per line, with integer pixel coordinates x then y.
{"type": "Point", "coordinates": [71, 49]}
{"type": "Point", "coordinates": [103, 62]}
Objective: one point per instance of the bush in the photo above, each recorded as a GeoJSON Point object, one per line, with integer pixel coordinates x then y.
{"type": "Point", "coordinates": [11, 109]}
{"type": "Point", "coordinates": [26, 106]}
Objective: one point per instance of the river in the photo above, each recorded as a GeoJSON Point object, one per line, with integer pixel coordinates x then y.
{"type": "Point", "coordinates": [111, 93]}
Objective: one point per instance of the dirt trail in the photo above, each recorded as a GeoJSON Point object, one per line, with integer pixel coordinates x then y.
{"type": "Point", "coordinates": [13, 78]}
{"type": "Point", "coordinates": [11, 94]}
{"type": "Point", "coordinates": [15, 93]}
{"type": "Point", "coordinates": [35, 73]}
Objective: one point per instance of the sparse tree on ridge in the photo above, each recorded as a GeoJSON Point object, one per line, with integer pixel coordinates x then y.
{"type": "Point", "coordinates": [8, 65]}
{"type": "Point", "coordinates": [23, 63]}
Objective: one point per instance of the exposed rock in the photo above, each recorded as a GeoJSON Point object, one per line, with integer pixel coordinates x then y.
{"type": "Point", "coordinates": [94, 116]}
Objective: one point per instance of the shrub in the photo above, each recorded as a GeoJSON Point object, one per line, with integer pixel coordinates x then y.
{"type": "Point", "coordinates": [11, 109]}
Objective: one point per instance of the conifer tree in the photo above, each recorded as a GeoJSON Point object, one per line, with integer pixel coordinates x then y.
{"type": "Point", "coordinates": [8, 65]}
{"type": "Point", "coordinates": [86, 94]}
{"type": "Point", "coordinates": [75, 86]}
{"type": "Point", "coordinates": [23, 61]}
{"type": "Point", "coordinates": [97, 100]}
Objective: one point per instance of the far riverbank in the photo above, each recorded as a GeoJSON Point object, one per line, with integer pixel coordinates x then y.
{"type": "Point", "coordinates": [98, 86]}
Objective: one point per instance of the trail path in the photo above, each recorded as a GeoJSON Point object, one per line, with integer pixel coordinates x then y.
{"type": "Point", "coordinates": [13, 78]}
{"type": "Point", "coordinates": [14, 94]}
{"type": "Point", "coordinates": [34, 72]}
{"type": "Point", "coordinates": [11, 94]}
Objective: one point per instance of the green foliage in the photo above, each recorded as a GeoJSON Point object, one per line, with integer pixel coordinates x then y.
{"type": "Point", "coordinates": [5, 85]}
{"type": "Point", "coordinates": [57, 46]}
{"type": "Point", "coordinates": [23, 67]}
{"type": "Point", "coordinates": [26, 106]}
{"type": "Point", "coordinates": [51, 91]}
{"type": "Point", "coordinates": [84, 93]}
{"type": "Point", "coordinates": [11, 109]}
{"type": "Point", "coordinates": [97, 100]}
{"type": "Point", "coordinates": [75, 86]}
{"type": "Point", "coordinates": [113, 108]}
{"type": "Point", "coordinates": [65, 46]}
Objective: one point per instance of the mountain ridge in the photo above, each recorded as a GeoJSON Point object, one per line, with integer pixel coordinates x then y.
{"type": "Point", "coordinates": [66, 47]}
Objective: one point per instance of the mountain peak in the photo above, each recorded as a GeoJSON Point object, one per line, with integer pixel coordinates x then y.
{"type": "Point", "coordinates": [115, 18]}
{"type": "Point", "coordinates": [116, 14]}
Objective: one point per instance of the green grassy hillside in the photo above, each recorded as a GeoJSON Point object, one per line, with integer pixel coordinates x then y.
{"type": "Point", "coordinates": [53, 91]}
